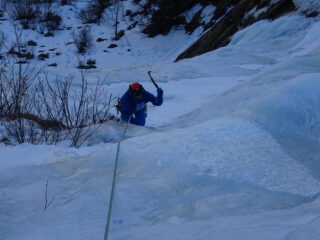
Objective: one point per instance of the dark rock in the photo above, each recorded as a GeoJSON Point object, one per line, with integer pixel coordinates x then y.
{"type": "Point", "coordinates": [49, 34]}
{"type": "Point", "coordinates": [119, 35]}
{"type": "Point", "coordinates": [5, 141]}
{"type": "Point", "coordinates": [128, 13]}
{"type": "Point", "coordinates": [101, 39]}
{"type": "Point", "coordinates": [29, 55]}
{"type": "Point", "coordinates": [167, 16]}
{"type": "Point", "coordinates": [223, 7]}
{"type": "Point", "coordinates": [91, 62]}
{"type": "Point", "coordinates": [278, 9]}
{"type": "Point", "coordinates": [53, 65]}
{"type": "Point", "coordinates": [194, 23]}
{"type": "Point", "coordinates": [81, 66]}
{"type": "Point", "coordinates": [221, 33]}
{"type": "Point", "coordinates": [43, 56]}
{"type": "Point", "coordinates": [112, 45]}
{"type": "Point", "coordinates": [22, 54]}
{"type": "Point", "coordinates": [32, 43]}
{"type": "Point", "coordinates": [312, 14]}
{"type": "Point", "coordinates": [66, 2]}
{"type": "Point", "coordinates": [132, 26]}
{"type": "Point", "coordinates": [163, 27]}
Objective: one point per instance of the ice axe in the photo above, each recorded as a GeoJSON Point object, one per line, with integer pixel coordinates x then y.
{"type": "Point", "coordinates": [154, 83]}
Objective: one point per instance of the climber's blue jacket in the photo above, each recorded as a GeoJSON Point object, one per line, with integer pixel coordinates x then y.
{"type": "Point", "coordinates": [131, 105]}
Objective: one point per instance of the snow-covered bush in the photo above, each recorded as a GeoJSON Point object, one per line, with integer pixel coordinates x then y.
{"type": "Point", "coordinates": [83, 40]}
{"type": "Point", "coordinates": [94, 11]}
{"type": "Point", "coordinates": [35, 14]}
{"type": "Point", "coordinates": [87, 16]}
{"type": "Point", "coordinates": [50, 17]}
{"type": "Point", "coordinates": [23, 10]}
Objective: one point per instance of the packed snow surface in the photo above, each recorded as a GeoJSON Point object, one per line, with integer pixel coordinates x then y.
{"type": "Point", "coordinates": [233, 153]}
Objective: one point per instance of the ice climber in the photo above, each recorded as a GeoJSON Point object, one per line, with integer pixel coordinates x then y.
{"type": "Point", "coordinates": [134, 103]}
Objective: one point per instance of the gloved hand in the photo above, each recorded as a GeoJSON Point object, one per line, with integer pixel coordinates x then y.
{"type": "Point", "coordinates": [159, 91]}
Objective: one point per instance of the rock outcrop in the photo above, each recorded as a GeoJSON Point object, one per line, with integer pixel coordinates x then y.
{"type": "Point", "coordinates": [239, 17]}
{"type": "Point", "coordinates": [229, 17]}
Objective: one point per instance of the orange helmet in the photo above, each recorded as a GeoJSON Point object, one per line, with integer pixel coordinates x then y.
{"type": "Point", "coordinates": [136, 89]}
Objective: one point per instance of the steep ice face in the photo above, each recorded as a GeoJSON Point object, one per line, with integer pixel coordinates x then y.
{"type": "Point", "coordinates": [225, 148]}
{"type": "Point", "coordinates": [222, 167]}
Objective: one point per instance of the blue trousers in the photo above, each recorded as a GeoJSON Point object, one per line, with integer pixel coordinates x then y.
{"type": "Point", "coordinates": [138, 118]}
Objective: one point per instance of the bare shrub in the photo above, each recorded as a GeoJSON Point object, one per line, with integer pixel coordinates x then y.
{"type": "Point", "coordinates": [94, 11]}
{"type": "Point", "coordinates": [80, 111]}
{"type": "Point", "coordinates": [82, 65]}
{"type": "Point", "coordinates": [23, 10]}
{"type": "Point", "coordinates": [16, 79]}
{"type": "Point", "coordinates": [19, 48]}
{"type": "Point", "coordinates": [91, 61]}
{"type": "Point", "coordinates": [33, 13]}
{"type": "Point", "coordinates": [115, 15]}
{"type": "Point", "coordinates": [83, 40]}
{"type": "Point", "coordinates": [16, 97]}
{"type": "Point", "coordinates": [51, 18]}
{"type": "Point", "coordinates": [87, 16]}
{"type": "Point", "coordinates": [49, 112]}
{"type": "Point", "coordinates": [38, 110]}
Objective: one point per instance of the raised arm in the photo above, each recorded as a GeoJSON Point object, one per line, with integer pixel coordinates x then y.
{"type": "Point", "coordinates": [157, 101]}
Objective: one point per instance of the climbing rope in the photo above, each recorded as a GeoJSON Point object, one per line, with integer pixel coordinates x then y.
{"type": "Point", "coordinates": [106, 234]}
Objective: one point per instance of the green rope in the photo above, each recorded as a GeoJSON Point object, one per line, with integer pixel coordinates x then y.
{"type": "Point", "coordinates": [106, 234]}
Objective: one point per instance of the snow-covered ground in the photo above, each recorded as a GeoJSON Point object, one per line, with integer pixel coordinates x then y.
{"type": "Point", "coordinates": [233, 153]}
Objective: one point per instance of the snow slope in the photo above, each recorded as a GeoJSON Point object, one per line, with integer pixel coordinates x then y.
{"type": "Point", "coordinates": [223, 158]}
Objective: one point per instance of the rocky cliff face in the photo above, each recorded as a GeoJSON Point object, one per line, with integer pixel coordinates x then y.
{"type": "Point", "coordinates": [228, 17]}
{"type": "Point", "coordinates": [243, 14]}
